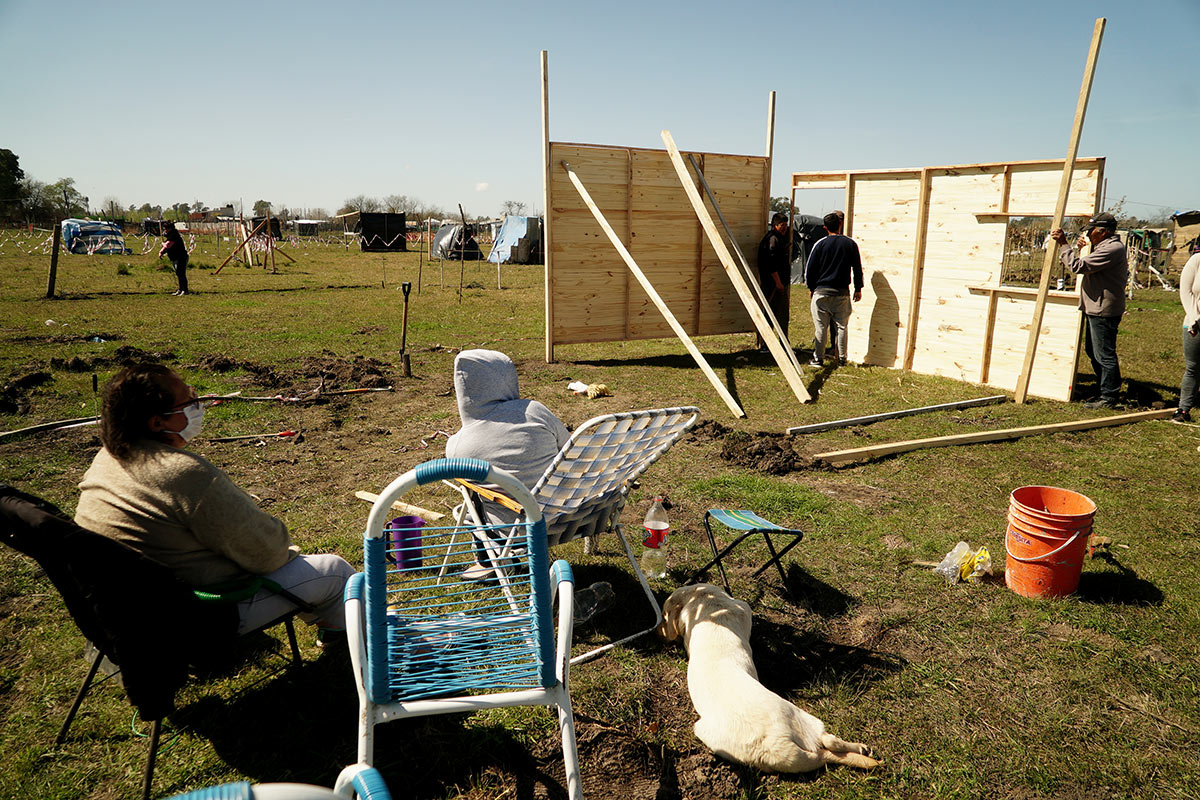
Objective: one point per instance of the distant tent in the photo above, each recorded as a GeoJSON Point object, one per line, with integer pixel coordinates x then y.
{"type": "Point", "coordinates": [276, 231]}
{"type": "Point", "coordinates": [448, 244]}
{"type": "Point", "coordinates": [306, 227]}
{"type": "Point", "coordinates": [381, 232]}
{"type": "Point", "coordinates": [807, 230]}
{"type": "Point", "coordinates": [85, 237]}
{"type": "Point", "coordinates": [519, 241]}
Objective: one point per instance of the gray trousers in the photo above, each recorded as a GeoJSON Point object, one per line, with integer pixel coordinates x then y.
{"type": "Point", "coordinates": [829, 309]}
{"type": "Point", "coordinates": [317, 579]}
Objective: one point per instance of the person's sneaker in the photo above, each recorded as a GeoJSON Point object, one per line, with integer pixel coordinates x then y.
{"type": "Point", "coordinates": [816, 362]}
{"type": "Point", "coordinates": [841, 362]}
{"type": "Point", "coordinates": [1181, 416]}
{"type": "Point", "coordinates": [1101, 402]}
{"type": "Point", "coordinates": [331, 639]}
{"type": "Point", "coordinates": [478, 572]}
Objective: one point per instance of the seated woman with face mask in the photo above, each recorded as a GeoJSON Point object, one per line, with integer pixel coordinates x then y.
{"type": "Point", "coordinates": [146, 489]}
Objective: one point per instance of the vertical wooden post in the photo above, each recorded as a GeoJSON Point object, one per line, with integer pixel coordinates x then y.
{"type": "Point", "coordinates": [420, 261]}
{"type": "Point", "coordinates": [53, 276]}
{"type": "Point", "coordinates": [628, 237]}
{"type": "Point", "coordinates": [770, 159]}
{"type": "Point", "coordinates": [547, 244]}
{"type": "Point", "coordinates": [918, 273]}
{"type": "Point", "coordinates": [462, 252]}
{"type": "Point", "coordinates": [1060, 209]}
{"type": "Point", "coordinates": [270, 242]}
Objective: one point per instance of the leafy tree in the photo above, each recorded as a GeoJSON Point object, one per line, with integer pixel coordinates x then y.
{"type": "Point", "coordinates": [70, 200]}
{"type": "Point", "coordinates": [783, 204]}
{"type": "Point", "coordinates": [359, 203]}
{"type": "Point", "coordinates": [514, 207]}
{"type": "Point", "coordinates": [11, 188]}
{"type": "Point", "coordinates": [262, 208]}
{"type": "Point", "coordinates": [399, 204]}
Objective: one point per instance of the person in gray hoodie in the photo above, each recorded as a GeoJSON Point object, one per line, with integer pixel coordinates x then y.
{"type": "Point", "coordinates": [517, 435]}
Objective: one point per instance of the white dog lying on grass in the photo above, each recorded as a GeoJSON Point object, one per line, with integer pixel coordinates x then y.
{"type": "Point", "coordinates": [740, 719]}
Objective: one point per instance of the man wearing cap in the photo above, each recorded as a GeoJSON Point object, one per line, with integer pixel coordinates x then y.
{"type": "Point", "coordinates": [775, 271]}
{"type": "Point", "coordinates": [1104, 274]}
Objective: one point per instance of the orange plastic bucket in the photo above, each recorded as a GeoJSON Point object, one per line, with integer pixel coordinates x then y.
{"type": "Point", "coordinates": [1047, 536]}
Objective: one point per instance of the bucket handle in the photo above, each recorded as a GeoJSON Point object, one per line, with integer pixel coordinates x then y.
{"type": "Point", "coordinates": [1065, 544]}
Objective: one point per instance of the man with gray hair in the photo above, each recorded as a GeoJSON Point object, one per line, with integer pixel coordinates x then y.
{"type": "Point", "coordinates": [833, 263]}
{"type": "Point", "coordinates": [1104, 272]}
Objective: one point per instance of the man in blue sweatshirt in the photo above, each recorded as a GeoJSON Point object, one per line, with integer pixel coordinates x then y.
{"type": "Point", "coordinates": [833, 263]}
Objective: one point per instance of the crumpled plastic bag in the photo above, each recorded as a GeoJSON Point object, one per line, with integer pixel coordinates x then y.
{"type": "Point", "coordinates": [964, 564]}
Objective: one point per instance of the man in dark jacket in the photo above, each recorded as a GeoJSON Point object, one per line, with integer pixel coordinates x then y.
{"type": "Point", "coordinates": [774, 271]}
{"type": "Point", "coordinates": [833, 263]}
{"type": "Point", "coordinates": [1104, 274]}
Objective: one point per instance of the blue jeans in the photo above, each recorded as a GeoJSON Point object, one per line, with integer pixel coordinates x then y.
{"type": "Point", "coordinates": [1191, 370]}
{"type": "Point", "coordinates": [1101, 347]}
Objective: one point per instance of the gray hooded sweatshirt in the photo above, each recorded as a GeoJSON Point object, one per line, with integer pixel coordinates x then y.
{"type": "Point", "coordinates": [519, 436]}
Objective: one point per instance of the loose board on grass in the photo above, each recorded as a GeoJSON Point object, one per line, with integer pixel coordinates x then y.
{"type": "Point", "coordinates": [932, 243]}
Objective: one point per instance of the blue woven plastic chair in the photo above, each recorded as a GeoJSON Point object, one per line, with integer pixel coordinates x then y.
{"type": "Point", "coordinates": [423, 641]}
{"type": "Point", "coordinates": [359, 781]}
{"type": "Point", "coordinates": [584, 489]}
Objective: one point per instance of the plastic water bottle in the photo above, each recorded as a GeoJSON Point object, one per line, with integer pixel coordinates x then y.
{"type": "Point", "coordinates": [654, 556]}
{"type": "Point", "coordinates": [595, 599]}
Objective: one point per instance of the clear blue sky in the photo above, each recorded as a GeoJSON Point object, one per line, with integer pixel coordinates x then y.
{"type": "Point", "coordinates": [305, 104]}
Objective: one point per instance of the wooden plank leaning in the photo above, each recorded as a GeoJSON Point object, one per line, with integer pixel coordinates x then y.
{"type": "Point", "coordinates": [771, 334]}
{"type": "Point", "coordinates": [1060, 210]}
{"type": "Point", "coordinates": [747, 273]}
{"type": "Point", "coordinates": [837, 457]}
{"type": "Point", "coordinates": [424, 513]}
{"type": "Point", "coordinates": [652, 293]}
{"type": "Point", "coordinates": [907, 412]}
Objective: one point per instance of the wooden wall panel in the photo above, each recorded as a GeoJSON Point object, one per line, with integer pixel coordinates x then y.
{"type": "Point", "coordinates": [969, 208]}
{"type": "Point", "coordinates": [639, 192]}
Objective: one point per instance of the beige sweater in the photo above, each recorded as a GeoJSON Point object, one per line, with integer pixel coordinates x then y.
{"type": "Point", "coordinates": [1189, 291]}
{"type": "Point", "coordinates": [177, 507]}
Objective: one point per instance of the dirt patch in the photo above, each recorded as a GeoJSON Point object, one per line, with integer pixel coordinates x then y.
{"type": "Point", "coordinates": [860, 495]}
{"type": "Point", "coordinates": [337, 372]}
{"type": "Point", "coordinates": [123, 355]}
{"type": "Point", "coordinates": [772, 453]}
{"type": "Point", "coordinates": [13, 394]}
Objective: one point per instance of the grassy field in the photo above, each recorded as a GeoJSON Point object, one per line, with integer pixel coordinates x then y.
{"type": "Point", "coordinates": [965, 691]}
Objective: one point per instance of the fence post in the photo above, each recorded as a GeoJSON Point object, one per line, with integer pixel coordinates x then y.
{"type": "Point", "coordinates": [53, 262]}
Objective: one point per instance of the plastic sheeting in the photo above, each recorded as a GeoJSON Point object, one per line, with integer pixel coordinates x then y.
{"type": "Point", "coordinates": [448, 245]}
{"type": "Point", "coordinates": [87, 237]}
{"type": "Point", "coordinates": [519, 241]}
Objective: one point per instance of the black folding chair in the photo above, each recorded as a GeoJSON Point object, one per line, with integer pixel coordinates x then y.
{"type": "Point", "coordinates": [135, 612]}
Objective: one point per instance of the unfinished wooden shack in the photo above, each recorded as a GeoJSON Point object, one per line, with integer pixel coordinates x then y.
{"type": "Point", "coordinates": [590, 294]}
{"type": "Point", "coordinates": [932, 243]}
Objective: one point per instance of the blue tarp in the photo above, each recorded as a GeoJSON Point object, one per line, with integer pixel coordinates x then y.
{"type": "Point", "coordinates": [86, 237]}
{"type": "Point", "coordinates": [519, 241]}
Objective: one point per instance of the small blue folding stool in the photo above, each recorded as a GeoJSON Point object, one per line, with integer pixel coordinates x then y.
{"type": "Point", "coordinates": [750, 524]}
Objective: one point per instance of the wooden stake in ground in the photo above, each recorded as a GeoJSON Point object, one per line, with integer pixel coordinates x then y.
{"type": "Point", "coordinates": [53, 276]}
{"type": "Point", "coordinates": [652, 293]}
{"type": "Point", "coordinates": [875, 451]}
{"type": "Point", "coordinates": [1060, 210]}
{"type": "Point", "coordinates": [462, 253]}
{"type": "Point", "coordinates": [424, 513]}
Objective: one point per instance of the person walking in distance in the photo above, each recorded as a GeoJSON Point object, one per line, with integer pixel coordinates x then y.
{"type": "Point", "coordinates": [833, 265]}
{"type": "Point", "coordinates": [176, 251]}
{"type": "Point", "coordinates": [775, 272]}
{"type": "Point", "coordinates": [1104, 273]}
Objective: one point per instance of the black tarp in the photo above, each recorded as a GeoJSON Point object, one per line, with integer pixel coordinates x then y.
{"type": "Point", "coordinates": [381, 232]}
{"type": "Point", "coordinates": [276, 231]}
{"type": "Point", "coordinates": [448, 245]}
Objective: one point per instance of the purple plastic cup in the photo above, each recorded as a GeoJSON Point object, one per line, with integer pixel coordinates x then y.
{"type": "Point", "coordinates": [406, 541]}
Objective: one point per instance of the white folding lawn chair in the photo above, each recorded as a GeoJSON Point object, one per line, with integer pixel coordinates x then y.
{"type": "Point", "coordinates": [584, 489]}
{"type": "Point", "coordinates": [422, 641]}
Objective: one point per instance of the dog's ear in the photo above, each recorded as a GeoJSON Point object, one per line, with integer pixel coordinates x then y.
{"type": "Point", "coordinates": [668, 629]}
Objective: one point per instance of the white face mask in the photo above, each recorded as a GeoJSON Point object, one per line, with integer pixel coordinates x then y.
{"type": "Point", "coordinates": [195, 418]}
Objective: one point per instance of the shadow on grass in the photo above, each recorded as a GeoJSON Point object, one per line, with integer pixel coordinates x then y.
{"type": "Point", "coordinates": [1120, 586]}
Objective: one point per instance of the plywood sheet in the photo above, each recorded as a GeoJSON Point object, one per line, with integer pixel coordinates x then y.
{"type": "Point", "coordinates": [639, 193]}
{"type": "Point", "coordinates": [969, 208]}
